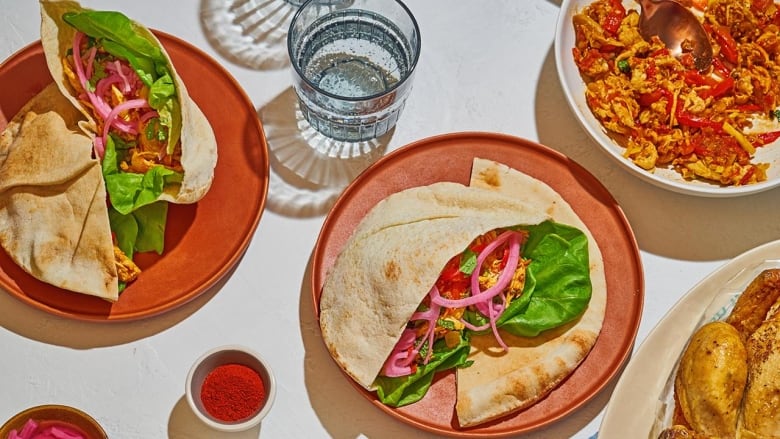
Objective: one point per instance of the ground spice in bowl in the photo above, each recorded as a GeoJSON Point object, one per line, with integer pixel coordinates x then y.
{"type": "Point", "coordinates": [232, 392]}
{"type": "Point", "coordinates": [230, 388]}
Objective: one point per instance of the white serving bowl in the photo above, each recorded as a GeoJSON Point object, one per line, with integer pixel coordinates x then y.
{"type": "Point", "coordinates": [574, 89]}
{"type": "Point", "coordinates": [230, 354]}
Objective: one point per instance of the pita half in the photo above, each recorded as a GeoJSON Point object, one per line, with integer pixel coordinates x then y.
{"type": "Point", "coordinates": [498, 382]}
{"type": "Point", "coordinates": [53, 214]}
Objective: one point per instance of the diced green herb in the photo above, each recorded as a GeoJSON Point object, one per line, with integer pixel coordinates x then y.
{"type": "Point", "coordinates": [446, 324]}
{"type": "Point", "coordinates": [624, 66]}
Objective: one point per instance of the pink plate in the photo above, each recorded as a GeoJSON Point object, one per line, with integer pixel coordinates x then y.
{"type": "Point", "coordinates": [203, 241]}
{"type": "Point", "coordinates": [449, 158]}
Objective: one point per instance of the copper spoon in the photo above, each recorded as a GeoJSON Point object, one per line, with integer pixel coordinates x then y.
{"type": "Point", "coordinates": [674, 24]}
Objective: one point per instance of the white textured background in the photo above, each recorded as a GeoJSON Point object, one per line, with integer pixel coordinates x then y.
{"type": "Point", "coordinates": [486, 66]}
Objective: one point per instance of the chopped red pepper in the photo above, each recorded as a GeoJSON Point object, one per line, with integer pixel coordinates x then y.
{"type": "Point", "coordinates": [692, 77]}
{"type": "Point", "coordinates": [451, 277]}
{"type": "Point", "coordinates": [692, 120]}
{"type": "Point", "coordinates": [611, 21]}
{"type": "Point", "coordinates": [728, 46]}
{"type": "Point", "coordinates": [647, 99]}
{"type": "Point", "coordinates": [746, 178]}
{"type": "Point", "coordinates": [719, 89]}
{"type": "Point", "coordinates": [749, 108]}
{"type": "Point", "coordinates": [719, 67]}
{"type": "Point", "coordinates": [765, 138]}
{"type": "Point", "coordinates": [686, 59]}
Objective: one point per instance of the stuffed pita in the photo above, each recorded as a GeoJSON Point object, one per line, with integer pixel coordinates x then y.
{"type": "Point", "coordinates": [390, 272]}
{"type": "Point", "coordinates": [89, 165]}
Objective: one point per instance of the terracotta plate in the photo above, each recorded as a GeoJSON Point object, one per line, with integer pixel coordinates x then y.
{"type": "Point", "coordinates": [449, 158]}
{"type": "Point", "coordinates": [203, 241]}
{"type": "Point", "coordinates": [652, 368]}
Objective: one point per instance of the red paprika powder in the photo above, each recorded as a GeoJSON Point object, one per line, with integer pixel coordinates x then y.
{"type": "Point", "coordinates": [232, 392]}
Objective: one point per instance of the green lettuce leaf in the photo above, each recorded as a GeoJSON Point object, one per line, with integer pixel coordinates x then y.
{"type": "Point", "coordinates": [125, 229]}
{"type": "Point", "coordinates": [117, 27]}
{"type": "Point", "coordinates": [162, 97]}
{"type": "Point", "coordinates": [142, 230]}
{"type": "Point", "coordinates": [558, 287]}
{"type": "Point", "coordinates": [128, 191]}
{"type": "Point", "coordinates": [400, 391]}
{"type": "Point", "coordinates": [142, 65]}
{"type": "Point", "coordinates": [137, 218]}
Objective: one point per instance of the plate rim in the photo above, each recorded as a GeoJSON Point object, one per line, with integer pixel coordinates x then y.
{"type": "Point", "coordinates": [34, 49]}
{"type": "Point", "coordinates": [318, 278]}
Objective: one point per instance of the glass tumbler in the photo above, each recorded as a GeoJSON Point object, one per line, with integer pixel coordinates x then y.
{"type": "Point", "coordinates": [353, 64]}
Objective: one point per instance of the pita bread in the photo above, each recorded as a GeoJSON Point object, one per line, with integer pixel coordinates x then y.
{"type": "Point", "coordinates": [397, 252]}
{"type": "Point", "coordinates": [500, 382]}
{"type": "Point", "coordinates": [379, 279]}
{"type": "Point", "coordinates": [198, 143]}
{"type": "Point", "coordinates": [53, 214]}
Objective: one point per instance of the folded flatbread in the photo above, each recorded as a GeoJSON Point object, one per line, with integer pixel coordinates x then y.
{"type": "Point", "coordinates": [398, 251]}
{"type": "Point", "coordinates": [392, 259]}
{"type": "Point", "coordinates": [53, 215]}
{"type": "Point", "coordinates": [198, 143]}
{"type": "Point", "coordinates": [499, 382]}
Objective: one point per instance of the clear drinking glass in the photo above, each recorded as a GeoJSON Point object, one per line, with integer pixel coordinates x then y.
{"type": "Point", "coordinates": [353, 63]}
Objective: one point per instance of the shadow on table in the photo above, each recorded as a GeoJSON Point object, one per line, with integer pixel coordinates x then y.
{"type": "Point", "coordinates": [345, 413]}
{"type": "Point", "coordinates": [308, 171]}
{"type": "Point", "coordinates": [183, 424]}
{"type": "Point", "coordinates": [39, 325]}
{"type": "Point", "coordinates": [665, 223]}
{"type": "Point", "coordinates": [249, 33]}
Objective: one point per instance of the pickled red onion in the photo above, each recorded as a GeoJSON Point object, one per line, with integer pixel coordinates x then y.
{"type": "Point", "coordinates": [77, 58]}
{"type": "Point", "coordinates": [103, 109]}
{"type": "Point", "coordinates": [404, 352]}
{"type": "Point", "coordinates": [90, 60]}
{"type": "Point", "coordinates": [503, 280]}
{"type": "Point", "coordinates": [102, 86]}
{"type": "Point", "coordinates": [146, 116]}
{"type": "Point", "coordinates": [34, 430]}
{"type": "Point", "coordinates": [98, 146]}
{"type": "Point", "coordinates": [397, 364]}
{"type": "Point", "coordinates": [114, 114]}
{"type": "Point", "coordinates": [116, 67]}
{"type": "Point", "coordinates": [98, 104]}
{"type": "Point", "coordinates": [119, 75]}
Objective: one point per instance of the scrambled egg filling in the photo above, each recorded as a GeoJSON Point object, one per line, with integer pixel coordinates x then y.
{"type": "Point", "coordinates": [126, 269]}
{"type": "Point", "coordinates": [665, 113]}
{"type": "Point", "coordinates": [148, 147]}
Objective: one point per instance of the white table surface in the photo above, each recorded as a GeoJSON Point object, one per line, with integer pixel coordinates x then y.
{"type": "Point", "coordinates": [485, 66]}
